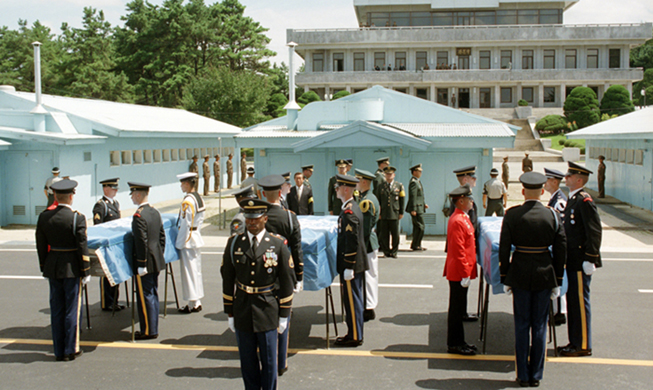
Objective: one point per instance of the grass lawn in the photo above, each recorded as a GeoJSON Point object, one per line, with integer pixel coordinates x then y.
{"type": "Point", "coordinates": [556, 145]}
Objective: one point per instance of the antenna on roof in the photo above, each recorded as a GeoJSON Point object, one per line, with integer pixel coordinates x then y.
{"type": "Point", "coordinates": [38, 111]}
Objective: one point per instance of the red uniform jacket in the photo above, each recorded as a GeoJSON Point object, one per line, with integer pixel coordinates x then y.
{"type": "Point", "coordinates": [461, 248]}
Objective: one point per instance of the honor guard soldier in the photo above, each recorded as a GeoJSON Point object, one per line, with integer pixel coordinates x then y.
{"type": "Point", "coordinates": [505, 172]}
{"type": "Point", "coordinates": [285, 190]}
{"type": "Point", "coordinates": [230, 170]}
{"type": "Point", "coordinates": [105, 210]}
{"type": "Point", "coordinates": [251, 181]}
{"type": "Point", "coordinates": [416, 207]}
{"type": "Point", "coordinates": [216, 173]}
{"type": "Point", "coordinates": [307, 170]}
{"type": "Point", "coordinates": [48, 184]}
{"type": "Point", "coordinates": [243, 166]}
{"type": "Point", "coordinates": [379, 176]}
{"type": "Point", "coordinates": [284, 223]}
{"type": "Point", "coordinates": [193, 166]}
{"type": "Point", "coordinates": [206, 174]}
{"type": "Point", "coordinates": [583, 229]}
{"type": "Point", "coordinates": [300, 197]}
{"type": "Point", "coordinates": [189, 241]}
{"type": "Point", "coordinates": [369, 206]}
{"type": "Point", "coordinates": [335, 204]}
{"type": "Point", "coordinates": [495, 195]}
{"type": "Point", "coordinates": [534, 274]}
{"type": "Point", "coordinates": [391, 197]}
{"type": "Point", "coordinates": [351, 260]}
{"type": "Point", "coordinates": [149, 244]}
{"type": "Point", "coordinates": [257, 290]}
{"type": "Point", "coordinates": [63, 260]}
{"type": "Point", "coordinates": [237, 225]}
{"type": "Point", "coordinates": [459, 268]}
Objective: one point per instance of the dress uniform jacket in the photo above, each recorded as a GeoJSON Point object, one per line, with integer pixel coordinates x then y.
{"type": "Point", "coordinates": [230, 173]}
{"type": "Point", "coordinates": [583, 229]}
{"type": "Point", "coordinates": [391, 199]}
{"type": "Point", "coordinates": [335, 204]}
{"type": "Point", "coordinates": [149, 239]}
{"type": "Point", "coordinates": [216, 174]}
{"type": "Point", "coordinates": [243, 168]}
{"type": "Point", "coordinates": [526, 164]}
{"type": "Point", "coordinates": [105, 210]}
{"type": "Point", "coordinates": [379, 179]}
{"type": "Point", "coordinates": [532, 228]}
{"type": "Point", "coordinates": [352, 252]}
{"type": "Point", "coordinates": [369, 206]}
{"type": "Point", "coordinates": [249, 279]}
{"type": "Point", "coordinates": [207, 176]}
{"type": "Point", "coordinates": [415, 196]}
{"type": "Point", "coordinates": [558, 201]}
{"type": "Point", "coordinates": [303, 205]}
{"type": "Point", "coordinates": [285, 223]}
{"type": "Point", "coordinates": [193, 167]}
{"type": "Point", "coordinates": [461, 248]}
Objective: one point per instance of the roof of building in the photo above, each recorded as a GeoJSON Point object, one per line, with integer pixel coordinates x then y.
{"type": "Point", "coordinates": [636, 124]}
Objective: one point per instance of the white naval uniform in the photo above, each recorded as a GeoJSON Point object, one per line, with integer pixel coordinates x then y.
{"type": "Point", "coordinates": [189, 241]}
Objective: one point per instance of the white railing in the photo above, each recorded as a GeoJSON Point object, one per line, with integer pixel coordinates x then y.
{"type": "Point", "coordinates": [474, 27]}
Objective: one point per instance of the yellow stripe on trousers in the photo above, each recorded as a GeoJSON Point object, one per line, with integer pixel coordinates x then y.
{"type": "Point", "coordinates": [139, 284]}
{"type": "Point", "coordinates": [583, 315]}
{"type": "Point", "coordinates": [352, 309]}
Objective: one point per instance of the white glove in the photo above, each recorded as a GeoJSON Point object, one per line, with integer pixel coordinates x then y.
{"type": "Point", "coordinates": [142, 271]}
{"type": "Point", "coordinates": [86, 279]}
{"type": "Point", "coordinates": [299, 287]}
{"type": "Point", "coordinates": [507, 290]}
{"type": "Point", "coordinates": [465, 282]}
{"type": "Point", "coordinates": [231, 324]}
{"type": "Point", "coordinates": [283, 324]}
{"type": "Point", "coordinates": [588, 268]}
{"type": "Point", "coordinates": [349, 274]}
{"type": "Point", "coordinates": [555, 293]}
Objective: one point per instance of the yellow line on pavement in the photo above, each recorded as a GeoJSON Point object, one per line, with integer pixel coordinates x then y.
{"type": "Point", "coordinates": [342, 352]}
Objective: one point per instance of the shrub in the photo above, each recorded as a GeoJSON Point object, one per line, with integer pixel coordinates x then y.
{"type": "Point", "coordinates": [309, 97]}
{"type": "Point", "coordinates": [582, 150]}
{"type": "Point", "coordinates": [616, 101]}
{"type": "Point", "coordinates": [551, 124]}
{"type": "Point", "coordinates": [582, 107]}
{"type": "Point", "coordinates": [340, 94]}
{"type": "Point", "coordinates": [522, 103]}
{"type": "Point", "coordinates": [561, 141]}
{"type": "Point", "coordinates": [568, 143]}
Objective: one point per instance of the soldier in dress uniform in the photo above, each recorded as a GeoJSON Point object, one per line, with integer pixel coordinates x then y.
{"type": "Point", "coordinates": [285, 190]}
{"type": "Point", "coordinates": [583, 229]}
{"type": "Point", "coordinates": [149, 244]}
{"type": "Point", "coordinates": [243, 167]}
{"type": "Point", "coordinates": [495, 195]}
{"type": "Point", "coordinates": [307, 170]}
{"type": "Point", "coordinates": [257, 290]}
{"type": "Point", "coordinates": [230, 170]}
{"type": "Point", "coordinates": [189, 241]}
{"type": "Point", "coordinates": [284, 223]}
{"type": "Point", "coordinates": [391, 196]}
{"type": "Point", "coordinates": [369, 206]}
{"type": "Point", "coordinates": [379, 176]}
{"type": "Point", "coordinates": [108, 209]}
{"type": "Point", "coordinates": [193, 166]}
{"type": "Point", "coordinates": [237, 225]}
{"type": "Point", "coordinates": [300, 197]}
{"type": "Point", "coordinates": [350, 164]}
{"type": "Point", "coordinates": [534, 275]}
{"type": "Point", "coordinates": [505, 172]}
{"type": "Point", "coordinates": [63, 260]}
{"type": "Point", "coordinates": [48, 183]}
{"type": "Point", "coordinates": [216, 173]}
{"type": "Point", "coordinates": [206, 169]}
{"type": "Point", "coordinates": [335, 204]}
{"type": "Point", "coordinates": [601, 177]}
{"type": "Point", "coordinates": [416, 207]}
{"type": "Point", "coordinates": [251, 181]}
{"type": "Point", "coordinates": [526, 163]}
{"type": "Point", "coordinates": [351, 260]}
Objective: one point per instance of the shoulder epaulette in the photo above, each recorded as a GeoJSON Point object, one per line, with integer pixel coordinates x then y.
{"type": "Point", "coordinates": [586, 197]}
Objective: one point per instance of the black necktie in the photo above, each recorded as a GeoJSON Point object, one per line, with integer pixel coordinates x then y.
{"type": "Point", "coordinates": [254, 244]}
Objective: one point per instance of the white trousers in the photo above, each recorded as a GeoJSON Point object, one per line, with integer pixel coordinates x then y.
{"type": "Point", "coordinates": [190, 264]}
{"type": "Point", "coordinates": [372, 281]}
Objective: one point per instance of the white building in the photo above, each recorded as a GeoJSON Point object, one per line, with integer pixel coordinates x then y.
{"type": "Point", "coordinates": [469, 53]}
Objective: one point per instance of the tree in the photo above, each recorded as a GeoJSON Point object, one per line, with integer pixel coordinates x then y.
{"type": "Point", "coordinates": [616, 100]}
{"type": "Point", "coordinates": [582, 107]}
{"type": "Point", "coordinates": [642, 56]}
{"type": "Point", "coordinates": [340, 94]}
{"type": "Point", "coordinates": [308, 97]}
{"type": "Point", "coordinates": [644, 84]}
{"type": "Point", "coordinates": [276, 104]}
{"type": "Point", "coordinates": [551, 124]}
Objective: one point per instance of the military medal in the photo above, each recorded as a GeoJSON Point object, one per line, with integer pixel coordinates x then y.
{"type": "Point", "coordinates": [270, 260]}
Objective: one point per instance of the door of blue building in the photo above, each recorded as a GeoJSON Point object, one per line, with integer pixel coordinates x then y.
{"type": "Point", "coordinates": [25, 173]}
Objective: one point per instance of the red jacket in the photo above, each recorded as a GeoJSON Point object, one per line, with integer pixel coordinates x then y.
{"type": "Point", "coordinates": [461, 248]}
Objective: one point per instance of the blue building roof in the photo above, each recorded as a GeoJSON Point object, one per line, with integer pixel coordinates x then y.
{"type": "Point", "coordinates": [636, 124]}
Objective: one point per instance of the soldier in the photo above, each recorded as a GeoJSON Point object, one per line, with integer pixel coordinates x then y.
{"type": "Point", "coordinates": [257, 289]}
{"type": "Point", "coordinates": [285, 190]}
{"type": "Point", "coordinates": [495, 195]}
{"type": "Point", "coordinates": [108, 209]}
{"type": "Point", "coordinates": [207, 174]}
{"type": "Point", "coordinates": [243, 167]}
{"type": "Point", "coordinates": [350, 164]}
{"type": "Point", "coordinates": [216, 173]}
{"type": "Point", "coordinates": [335, 204]}
{"type": "Point", "coordinates": [351, 260]}
{"type": "Point", "coordinates": [505, 172]}
{"type": "Point", "coordinates": [189, 241]}
{"type": "Point", "coordinates": [391, 197]}
{"type": "Point", "coordinates": [416, 207]}
{"type": "Point", "coordinates": [300, 198]}
{"type": "Point", "coordinates": [251, 181]}
{"type": "Point", "coordinates": [526, 164]}
{"type": "Point", "coordinates": [230, 170]}
{"type": "Point", "coordinates": [369, 206]}
{"type": "Point", "coordinates": [63, 260]}
{"type": "Point", "coordinates": [48, 183]}
{"type": "Point", "coordinates": [307, 170]}
{"type": "Point", "coordinates": [237, 225]}
{"type": "Point", "coordinates": [534, 275]}
{"type": "Point", "coordinates": [583, 229]}
{"type": "Point", "coordinates": [193, 166]}
{"type": "Point", "coordinates": [601, 177]}
{"type": "Point", "coordinates": [149, 244]}
{"type": "Point", "coordinates": [379, 178]}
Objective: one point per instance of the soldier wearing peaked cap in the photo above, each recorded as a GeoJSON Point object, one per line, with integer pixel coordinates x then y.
{"type": "Point", "coordinates": [307, 170]}
{"type": "Point", "coordinates": [193, 166]}
{"type": "Point", "coordinates": [48, 183]}
{"type": "Point", "coordinates": [243, 166]}
{"type": "Point", "coordinates": [216, 173]}
{"type": "Point", "coordinates": [149, 244]}
{"type": "Point", "coordinates": [416, 207]}
{"type": "Point", "coordinates": [335, 204]}
{"type": "Point", "coordinates": [206, 170]}
{"type": "Point", "coordinates": [379, 178]}
{"type": "Point", "coordinates": [108, 209]}
{"type": "Point", "coordinates": [583, 229]}
{"type": "Point", "coordinates": [251, 181]}
{"type": "Point", "coordinates": [63, 260]}
{"type": "Point", "coordinates": [391, 197]}
{"type": "Point", "coordinates": [350, 164]}
{"type": "Point", "coordinates": [526, 163]}
{"type": "Point", "coordinates": [495, 195]}
{"type": "Point", "coordinates": [230, 170]}
{"type": "Point", "coordinates": [237, 225]}
{"type": "Point", "coordinates": [533, 274]}
{"type": "Point", "coordinates": [369, 206]}
{"type": "Point", "coordinates": [257, 290]}
{"type": "Point", "coordinates": [285, 190]}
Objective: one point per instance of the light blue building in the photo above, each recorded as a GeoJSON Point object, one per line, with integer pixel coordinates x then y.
{"type": "Point", "coordinates": [92, 140]}
{"type": "Point", "coordinates": [627, 144]}
{"type": "Point", "coordinates": [375, 123]}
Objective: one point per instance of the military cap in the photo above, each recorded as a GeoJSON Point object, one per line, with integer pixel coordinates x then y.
{"type": "Point", "coordinates": [466, 171]}
{"type": "Point", "coordinates": [601, 157]}
{"type": "Point", "coordinates": [206, 156]}
{"type": "Point", "coordinates": [494, 171]}
{"type": "Point", "coordinates": [532, 180]}
{"type": "Point", "coordinates": [113, 183]}
{"type": "Point", "coordinates": [138, 187]}
{"type": "Point", "coordinates": [463, 191]}
{"type": "Point", "coordinates": [286, 176]}
{"type": "Point", "coordinates": [389, 168]}
{"type": "Point", "coordinates": [271, 182]}
{"type": "Point", "coordinates": [417, 167]}
{"type": "Point", "coordinates": [254, 208]}
{"type": "Point", "coordinates": [231, 154]}
{"type": "Point", "coordinates": [505, 158]}
{"type": "Point", "coordinates": [363, 174]}
{"type": "Point", "coordinates": [195, 157]}
{"type": "Point", "coordinates": [382, 160]}
{"type": "Point", "coordinates": [346, 180]}
{"type": "Point", "coordinates": [340, 163]}
{"type": "Point", "coordinates": [187, 176]}
{"type": "Point", "coordinates": [308, 167]}
{"type": "Point", "coordinates": [247, 192]}
{"type": "Point", "coordinates": [65, 186]}
{"type": "Point", "coordinates": [575, 169]}
{"type": "Point", "coordinates": [55, 170]}
{"type": "Point", "coordinates": [250, 170]}
{"type": "Point", "coordinates": [553, 173]}
{"type": "Point", "coordinates": [217, 156]}
{"type": "Point", "coordinates": [349, 161]}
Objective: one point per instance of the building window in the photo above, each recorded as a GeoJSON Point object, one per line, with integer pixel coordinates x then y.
{"type": "Point", "coordinates": [639, 157]}
{"type": "Point", "coordinates": [484, 98]}
{"type": "Point", "coordinates": [592, 58]}
{"type": "Point", "coordinates": [399, 19]}
{"type": "Point", "coordinates": [507, 17]}
{"type": "Point", "coordinates": [443, 96]}
{"type": "Point", "coordinates": [174, 154]}
{"type": "Point", "coordinates": [379, 60]}
{"type": "Point", "coordinates": [114, 158]}
{"type": "Point", "coordinates": [165, 155]}
{"type": "Point", "coordinates": [622, 155]}
{"type": "Point", "coordinates": [615, 58]}
{"type": "Point", "coordinates": [629, 156]}
{"type": "Point", "coordinates": [126, 157]}
{"type": "Point", "coordinates": [549, 94]}
{"type": "Point", "coordinates": [182, 155]}
{"type": "Point", "coordinates": [443, 59]}
{"type": "Point", "coordinates": [506, 95]}
{"type": "Point", "coordinates": [156, 155]}
{"type": "Point", "coordinates": [202, 152]}
{"type": "Point", "coordinates": [550, 16]}
{"type": "Point", "coordinates": [506, 59]}
{"type": "Point", "coordinates": [443, 19]}
{"type": "Point", "coordinates": [147, 156]}
{"type": "Point", "coordinates": [484, 18]}
{"type": "Point", "coordinates": [421, 19]}
{"type": "Point", "coordinates": [338, 62]}
{"type": "Point", "coordinates": [421, 60]}
{"type": "Point", "coordinates": [527, 16]}
{"type": "Point", "coordinates": [484, 59]}
{"type": "Point", "coordinates": [318, 62]}
{"type": "Point", "coordinates": [359, 62]}
{"type": "Point", "coordinates": [463, 18]}
{"type": "Point", "coordinates": [527, 94]}
{"type": "Point", "coordinates": [402, 90]}
{"type": "Point", "coordinates": [137, 157]}
{"type": "Point", "coordinates": [549, 59]}
{"type": "Point", "coordinates": [463, 62]}
{"type": "Point", "coordinates": [527, 59]}
{"type": "Point", "coordinates": [379, 19]}
{"type": "Point", "coordinates": [422, 93]}
{"type": "Point", "coordinates": [400, 60]}
{"type": "Point", "coordinates": [570, 59]}
{"type": "Point", "coordinates": [615, 155]}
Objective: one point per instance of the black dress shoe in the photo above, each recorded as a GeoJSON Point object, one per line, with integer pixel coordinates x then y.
{"type": "Point", "coordinates": [472, 347]}
{"type": "Point", "coordinates": [422, 248]}
{"type": "Point", "coordinates": [114, 308]}
{"type": "Point", "coordinates": [534, 383]}
{"type": "Point", "coordinates": [139, 336]}
{"type": "Point", "coordinates": [470, 317]}
{"type": "Point", "coordinates": [522, 383]}
{"type": "Point", "coordinates": [63, 358]}
{"type": "Point", "coordinates": [573, 351]}
{"type": "Point", "coordinates": [196, 309]}
{"type": "Point", "coordinates": [347, 342]}
{"type": "Point", "coordinates": [72, 356]}
{"type": "Point", "coordinates": [560, 348]}
{"type": "Point", "coordinates": [559, 319]}
{"type": "Point", "coordinates": [461, 350]}
{"type": "Point", "coordinates": [282, 371]}
{"type": "Point", "coordinates": [368, 315]}
{"type": "Point", "coordinates": [185, 310]}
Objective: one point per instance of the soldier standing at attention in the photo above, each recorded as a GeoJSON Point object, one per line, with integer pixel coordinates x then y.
{"type": "Point", "coordinates": [243, 167]}
{"type": "Point", "coordinates": [307, 170]}
{"type": "Point", "coordinates": [216, 173]}
{"type": "Point", "coordinates": [251, 181]}
{"type": "Point", "coordinates": [207, 174]}
{"type": "Point", "coordinates": [48, 184]}
{"type": "Point", "coordinates": [534, 275]}
{"type": "Point", "coordinates": [583, 229]}
{"type": "Point", "coordinates": [285, 190]}
{"type": "Point", "coordinates": [369, 206]}
{"type": "Point", "coordinates": [237, 225]}
{"type": "Point", "coordinates": [379, 177]}
{"type": "Point", "coordinates": [416, 207]}
{"type": "Point", "coordinates": [391, 197]}
{"type": "Point", "coordinates": [257, 290]}
{"type": "Point", "coordinates": [351, 261]}
{"type": "Point", "coordinates": [189, 243]}
{"type": "Point", "coordinates": [63, 260]}
{"type": "Point", "coordinates": [105, 210]}
{"type": "Point", "coordinates": [505, 172]}
{"type": "Point", "coordinates": [601, 177]}
{"type": "Point", "coordinates": [335, 204]}
{"type": "Point", "coordinates": [230, 170]}
{"type": "Point", "coordinates": [193, 166]}
{"type": "Point", "coordinates": [149, 244]}
{"type": "Point", "coordinates": [495, 195]}
{"type": "Point", "coordinates": [526, 164]}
